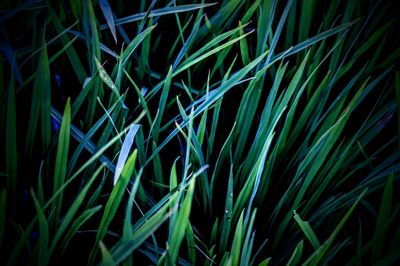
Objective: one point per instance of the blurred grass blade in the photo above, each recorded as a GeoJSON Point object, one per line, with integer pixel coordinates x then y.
{"type": "Point", "coordinates": [107, 259]}
{"type": "Point", "coordinates": [3, 211]}
{"type": "Point", "coordinates": [382, 225]}
{"type": "Point", "coordinates": [296, 255]}
{"type": "Point", "coordinates": [11, 152]}
{"type": "Point", "coordinates": [40, 104]}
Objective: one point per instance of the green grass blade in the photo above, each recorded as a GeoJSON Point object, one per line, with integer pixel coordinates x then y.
{"type": "Point", "coordinates": [182, 221]}
{"type": "Point", "coordinates": [382, 226]}
{"type": "Point", "coordinates": [68, 218]}
{"type": "Point", "coordinates": [40, 104]}
{"type": "Point", "coordinates": [161, 105]}
{"type": "Point", "coordinates": [317, 256]}
{"type": "Point", "coordinates": [11, 152]}
{"type": "Point", "coordinates": [62, 157]}
{"type": "Point", "coordinates": [237, 242]}
{"type": "Point", "coordinates": [77, 224]}
{"type": "Point", "coordinates": [307, 230]}
{"type": "Point", "coordinates": [107, 259]}
{"type": "Point", "coordinates": [43, 242]}
{"type": "Point", "coordinates": [114, 200]}
{"type": "Point", "coordinates": [296, 255]}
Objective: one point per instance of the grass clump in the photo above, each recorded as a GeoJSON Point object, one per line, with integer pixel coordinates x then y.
{"type": "Point", "coordinates": [174, 132]}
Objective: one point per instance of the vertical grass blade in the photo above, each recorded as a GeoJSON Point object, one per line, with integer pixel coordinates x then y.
{"type": "Point", "coordinates": [62, 157]}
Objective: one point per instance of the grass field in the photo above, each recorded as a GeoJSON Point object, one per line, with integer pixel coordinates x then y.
{"type": "Point", "coordinates": [235, 132]}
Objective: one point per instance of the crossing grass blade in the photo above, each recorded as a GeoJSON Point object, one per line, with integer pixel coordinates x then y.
{"type": "Point", "coordinates": [317, 256]}
{"type": "Point", "coordinates": [158, 13]}
{"type": "Point", "coordinates": [68, 218]}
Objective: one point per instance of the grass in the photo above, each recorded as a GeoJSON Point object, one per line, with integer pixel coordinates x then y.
{"type": "Point", "coordinates": [214, 133]}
